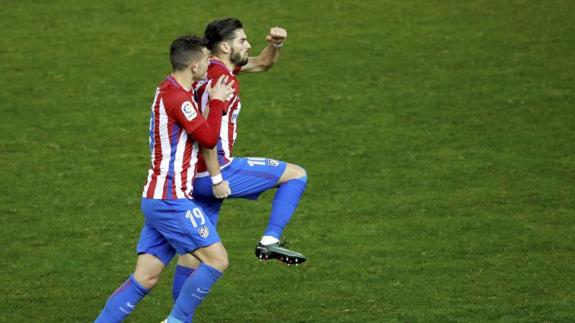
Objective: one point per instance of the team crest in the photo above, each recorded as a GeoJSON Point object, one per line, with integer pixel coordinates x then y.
{"type": "Point", "coordinates": [204, 232]}
{"type": "Point", "coordinates": [188, 110]}
{"type": "Point", "coordinates": [273, 162]}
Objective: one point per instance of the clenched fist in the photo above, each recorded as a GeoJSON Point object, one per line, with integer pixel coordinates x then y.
{"type": "Point", "coordinates": [277, 35]}
{"type": "Point", "coordinates": [221, 190]}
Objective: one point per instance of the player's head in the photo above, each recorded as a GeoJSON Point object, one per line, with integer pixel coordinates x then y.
{"type": "Point", "coordinates": [189, 53]}
{"type": "Point", "coordinates": [227, 37]}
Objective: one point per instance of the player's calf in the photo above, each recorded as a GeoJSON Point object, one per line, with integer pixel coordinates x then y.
{"type": "Point", "coordinates": [292, 184]}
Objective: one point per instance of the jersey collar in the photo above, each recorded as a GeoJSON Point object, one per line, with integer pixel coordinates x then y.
{"type": "Point", "coordinates": [216, 61]}
{"type": "Point", "coordinates": [172, 80]}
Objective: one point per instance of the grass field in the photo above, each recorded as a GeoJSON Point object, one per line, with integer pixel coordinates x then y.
{"type": "Point", "coordinates": [438, 137]}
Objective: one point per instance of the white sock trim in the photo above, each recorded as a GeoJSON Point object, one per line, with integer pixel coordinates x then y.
{"type": "Point", "coordinates": [268, 240]}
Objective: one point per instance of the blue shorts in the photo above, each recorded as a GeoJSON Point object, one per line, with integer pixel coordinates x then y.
{"type": "Point", "coordinates": [248, 178]}
{"type": "Point", "coordinates": [174, 226]}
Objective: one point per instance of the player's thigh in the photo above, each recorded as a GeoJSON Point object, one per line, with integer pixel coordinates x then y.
{"type": "Point", "coordinates": [292, 171]}
{"type": "Point", "coordinates": [251, 176]}
{"type": "Point", "coordinates": [154, 243]}
{"type": "Point", "coordinates": [183, 224]}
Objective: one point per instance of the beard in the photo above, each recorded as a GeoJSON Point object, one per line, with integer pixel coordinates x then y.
{"type": "Point", "coordinates": [238, 60]}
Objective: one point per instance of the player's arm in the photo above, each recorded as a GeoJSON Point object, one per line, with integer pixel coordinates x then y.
{"type": "Point", "coordinates": [206, 132]}
{"type": "Point", "coordinates": [220, 187]}
{"type": "Point", "coordinates": [270, 54]}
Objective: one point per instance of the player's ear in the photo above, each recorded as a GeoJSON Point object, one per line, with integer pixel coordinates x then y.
{"type": "Point", "coordinates": [193, 67]}
{"type": "Point", "coordinates": [225, 47]}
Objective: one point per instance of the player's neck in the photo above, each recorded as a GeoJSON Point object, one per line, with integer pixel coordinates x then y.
{"type": "Point", "coordinates": [226, 61]}
{"type": "Point", "coordinates": [184, 79]}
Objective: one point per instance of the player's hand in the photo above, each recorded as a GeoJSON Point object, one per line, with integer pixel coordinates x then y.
{"type": "Point", "coordinates": [221, 190]}
{"type": "Point", "coordinates": [277, 35]}
{"type": "Point", "coordinates": [222, 89]}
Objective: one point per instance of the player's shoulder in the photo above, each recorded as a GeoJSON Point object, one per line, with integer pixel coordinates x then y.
{"type": "Point", "coordinates": [215, 70]}
{"type": "Point", "coordinates": [181, 101]}
{"type": "Point", "coordinates": [174, 96]}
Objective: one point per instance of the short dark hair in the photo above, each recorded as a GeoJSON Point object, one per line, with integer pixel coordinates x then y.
{"type": "Point", "coordinates": [184, 49]}
{"type": "Point", "coordinates": [221, 30]}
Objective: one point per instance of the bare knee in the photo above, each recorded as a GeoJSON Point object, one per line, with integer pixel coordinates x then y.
{"type": "Point", "coordinates": [147, 280]}
{"type": "Point", "coordinates": [292, 172]}
{"type": "Point", "coordinates": [299, 171]}
{"type": "Point", "coordinates": [221, 263]}
{"type": "Point", "coordinates": [214, 255]}
{"type": "Point", "coordinates": [148, 270]}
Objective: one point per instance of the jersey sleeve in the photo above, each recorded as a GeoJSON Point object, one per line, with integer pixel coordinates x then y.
{"type": "Point", "coordinates": [186, 114]}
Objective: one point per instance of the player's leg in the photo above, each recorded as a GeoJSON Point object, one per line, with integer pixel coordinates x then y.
{"type": "Point", "coordinates": [214, 260]}
{"type": "Point", "coordinates": [291, 186]}
{"type": "Point", "coordinates": [124, 300]}
{"type": "Point", "coordinates": [195, 234]}
{"type": "Point", "coordinates": [249, 177]}
{"type": "Point", "coordinates": [154, 253]}
{"type": "Point", "coordinates": [184, 268]}
{"type": "Point", "coordinates": [187, 263]}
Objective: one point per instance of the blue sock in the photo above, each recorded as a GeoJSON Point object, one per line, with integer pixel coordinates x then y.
{"type": "Point", "coordinates": [122, 302]}
{"type": "Point", "coordinates": [195, 289]}
{"type": "Point", "coordinates": [283, 207]}
{"type": "Point", "coordinates": [180, 276]}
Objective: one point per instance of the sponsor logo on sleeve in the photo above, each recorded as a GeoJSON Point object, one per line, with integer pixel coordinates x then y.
{"type": "Point", "coordinates": [188, 110]}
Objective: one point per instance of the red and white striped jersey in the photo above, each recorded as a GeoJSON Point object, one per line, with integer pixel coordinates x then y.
{"type": "Point", "coordinates": [228, 130]}
{"type": "Point", "coordinates": [174, 153]}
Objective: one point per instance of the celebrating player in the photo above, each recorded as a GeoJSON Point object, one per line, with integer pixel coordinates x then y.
{"type": "Point", "coordinates": [219, 172]}
{"type": "Point", "coordinates": [173, 222]}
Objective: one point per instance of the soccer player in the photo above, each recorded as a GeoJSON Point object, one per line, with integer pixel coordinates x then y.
{"type": "Point", "coordinates": [173, 222]}
{"type": "Point", "coordinates": [219, 172]}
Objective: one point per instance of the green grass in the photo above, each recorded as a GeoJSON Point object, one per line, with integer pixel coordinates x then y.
{"type": "Point", "coordinates": [437, 135]}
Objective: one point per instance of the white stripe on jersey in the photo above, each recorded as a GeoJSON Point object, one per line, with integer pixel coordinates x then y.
{"type": "Point", "coordinates": [166, 151]}
{"type": "Point", "coordinates": [224, 135]}
{"type": "Point", "coordinates": [192, 169]}
{"type": "Point", "coordinates": [179, 164]}
{"type": "Point", "coordinates": [236, 122]}
{"type": "Point", "coordinates": [204, 98]}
